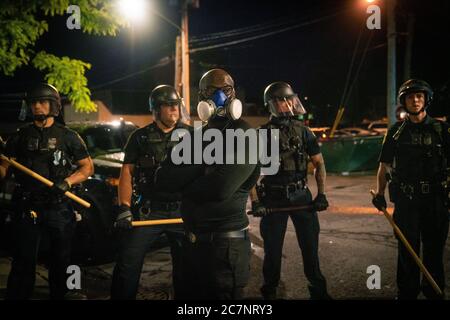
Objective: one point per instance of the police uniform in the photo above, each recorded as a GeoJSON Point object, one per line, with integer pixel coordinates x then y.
{"type": "Point", "coordinates": [418, 153]}
{"type": "Point", "coordinates": [50, 152]}
{"type": "Point", "coordinates": [289, 188]}
{"type": "Point", "coordinates": [146, 149]}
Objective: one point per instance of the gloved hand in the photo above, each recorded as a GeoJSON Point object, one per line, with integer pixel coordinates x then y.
{"type": "Point", "coordinates": [258, 209]}
{"type": "Point", "coordinates": [124, 218]}
{"type": "Point", "coordinates": [379, 201]}
{"type": "Point", "coordinates": [320, 203]}
{"type": "Point", "coordinates": [61, 187]}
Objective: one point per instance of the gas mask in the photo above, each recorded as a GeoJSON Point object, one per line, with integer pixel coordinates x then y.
{"type": "Point", "coordinates": [219, 105]}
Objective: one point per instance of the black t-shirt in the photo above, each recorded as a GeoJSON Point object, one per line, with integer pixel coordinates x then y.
{"type": "Point", "coordinates": [45, 150]}
{"type": "Point", "coordinates": [312, 146]}
{"type": "Point", "coordinates": [214, 196]}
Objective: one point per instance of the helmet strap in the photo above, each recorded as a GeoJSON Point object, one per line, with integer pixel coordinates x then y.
{"type": "Point", "coordinates": [415, 113]}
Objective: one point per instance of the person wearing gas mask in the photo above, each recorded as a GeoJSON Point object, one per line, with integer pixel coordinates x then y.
{"type": "Point", "coordinates": [139, 199]}
{"type": "Point", "coordinates": [60, 155]}
{"type": "Point", "coordinates": [414, 157]}
{"type": "Point", "coordinates": [288, 188]}
{"type": "Point", "coordinates": [217, 246]}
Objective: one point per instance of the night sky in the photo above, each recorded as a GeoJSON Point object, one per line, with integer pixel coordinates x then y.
{"type": "Point", "coordinates": [314, 58]}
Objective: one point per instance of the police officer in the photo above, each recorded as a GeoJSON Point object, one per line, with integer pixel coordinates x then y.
{"type": "Point", "coordinates": [414, 155]}
{"type": "Point", "coordinates": [217, 247]}
{"type": "Point", "coordinates": [140, 200]}
{"type": "Point", "coordinates": [59, 154]}
{"type": "Point", "coordinates": [289, 188]}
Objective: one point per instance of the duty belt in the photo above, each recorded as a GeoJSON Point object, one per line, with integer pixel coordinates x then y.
{"type": "Point", "coordinates": [211, 236]}
{"type": "Point", "coordinates": [154, 206]}
{"type": "Point", "coordinates": [288, 188]}
{"type": "Point", "coordinates": [164, 206]}
{"type": "Point", "coordinates": [422, 187]}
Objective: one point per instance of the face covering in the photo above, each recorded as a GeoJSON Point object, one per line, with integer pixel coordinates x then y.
{"type": "Point", "coordinates": [219, 105]}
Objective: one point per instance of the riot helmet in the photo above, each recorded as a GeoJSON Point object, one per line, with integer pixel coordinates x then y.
{"type": "Point", "coordinates": [45, 91]}
{"type": "Point", "coordinates": [282, 101]}
{"type": "Point", "coordinates": [217, 96]}
{"type": "Point", "coordinates": [415, 85]}
{"type": "Point", "coordinates": [166, 95]}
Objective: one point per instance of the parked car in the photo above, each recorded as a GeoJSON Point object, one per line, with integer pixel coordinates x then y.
{"type": "Point", "coordinates": [94, 240]}
{"type": "Point", "coordinates": [355, 131]}
{"type": "Point", "coordinates": [380, 127]}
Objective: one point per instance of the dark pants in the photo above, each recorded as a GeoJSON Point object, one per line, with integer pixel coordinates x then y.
{"type": "Point", "coordinates": [307, 228]}
{"type": "Point", "coordinates": [217, 269]}
{"type": "Point", "coordinates": [424, 222]}
{"type": "Point", "coordinates": [132, 249]}
{"type": "Point", "coordinates": [58, 222]}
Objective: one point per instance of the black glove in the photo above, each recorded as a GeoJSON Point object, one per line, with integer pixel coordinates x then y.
{"type": "Point", "coordinates": [61, 186]}
{"type": "Point", "coordinates": [320, 203]}
{"type": "Point", "coordinates": [258, 209]}
{"type": "Point", "coordinates": [124, 218]}
{"type": "Point", "coordinates": [379, 201]}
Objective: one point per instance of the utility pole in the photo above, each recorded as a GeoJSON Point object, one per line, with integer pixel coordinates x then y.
{"type": "Point", "coordinates": [185, 54]}
{"type": "Point", "coordinates": [391, 62]}
{"type": "Point", "coordinates": [178, 81]}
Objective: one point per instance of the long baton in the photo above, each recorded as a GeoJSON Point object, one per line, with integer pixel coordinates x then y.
{"type": "Point", "coordinates": [410, 249]}
{"type": "Point", "coordinates": [307, 207]}
{"type": "Point", "coordinates": [43, 180]}
{"type": "Point", "coordinates": [146, 223]}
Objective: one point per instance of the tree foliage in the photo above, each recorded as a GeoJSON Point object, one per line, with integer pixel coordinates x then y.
{"type": "Point", "coordinates": [23, 22]}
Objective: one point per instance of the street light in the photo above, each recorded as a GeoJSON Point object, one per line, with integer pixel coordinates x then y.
{"type": "Point", "coordinates": [134, 11]}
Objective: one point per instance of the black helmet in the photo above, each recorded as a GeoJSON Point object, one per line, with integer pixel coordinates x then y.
{"type": "Point", "coordinates": [415, 85]}
{"type": "Point", "coordinates": [45, 91]}
{"type": "Point", "coordinates": [280, 91]}
{"type": "Point", "coordinates": [213, 80]}
{"type": "Point", "coordinates": [163, 94]}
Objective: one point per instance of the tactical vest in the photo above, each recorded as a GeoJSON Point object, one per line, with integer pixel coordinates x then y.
{"type": "Point", "coordinates": [154, 147]}
{"type": "Point", "coordinates": [420, 154]}
{"type": "Point", "coordinates": [43, 150]}
{"type": "Point", "coordinates": [293, 155]}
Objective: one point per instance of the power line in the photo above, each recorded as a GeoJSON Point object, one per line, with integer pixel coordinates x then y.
{"type": "Point", "coordinates": [235, 32]}
{"type": "Point", "coordinates": [359, 66]}
{"type": "Point", "coordinates": [250, 29]}
{"type": "Point", "coordinates": [163, 62]}
{"type": "Point", "coordinates": [347, 80]}
{"type": "Point", "coordinates": [268, 34]}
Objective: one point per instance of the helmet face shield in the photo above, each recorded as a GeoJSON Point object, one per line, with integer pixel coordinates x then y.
{"type": "Point", "coordinates": [286, 106]}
